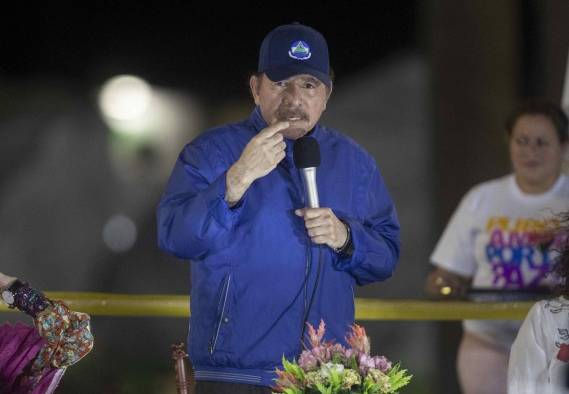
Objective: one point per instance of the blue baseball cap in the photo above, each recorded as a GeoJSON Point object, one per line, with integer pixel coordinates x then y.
{"type": "Point", "coordinates": [294, 49]}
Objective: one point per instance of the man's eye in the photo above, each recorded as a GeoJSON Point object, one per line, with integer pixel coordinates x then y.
{"type": "Point", "coordinates": [521, 141]}
{"type": "Point", "coordinates": [280, 84]}
{"type": "Point", "coordinates": [310, 85]}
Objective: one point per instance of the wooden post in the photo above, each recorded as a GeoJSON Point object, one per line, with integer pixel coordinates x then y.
{"type": "Point", "coordinates": [184, 381]}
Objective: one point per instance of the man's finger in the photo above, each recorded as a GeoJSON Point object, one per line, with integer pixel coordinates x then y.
{"type": "Point", "coordinates": [273, 129]}
{"type": "Point", "coordinates": [320, 239]}
{"type": "Point", "coordinates": [313, 223]}
{"type": "Point", "coordinates": [276, 140]}
{"type": "Point", "coordinates": [279, 145]}
{"type": "Point", "coordinates": [312, 213]}
{"type": "Point", "coordinates": [318, 231]}
{"type": "Point", "coordinates": [280, 155]}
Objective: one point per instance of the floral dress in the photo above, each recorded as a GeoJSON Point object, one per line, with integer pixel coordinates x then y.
{"type": "Point", "coordinates": [33, 359]}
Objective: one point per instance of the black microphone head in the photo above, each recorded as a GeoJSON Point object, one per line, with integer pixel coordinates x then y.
{"type": "Point", "coordinates": [306, 153]}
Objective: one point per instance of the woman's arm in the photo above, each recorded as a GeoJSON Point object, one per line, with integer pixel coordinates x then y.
{"type": "Point", "coordinates": [6, 281]}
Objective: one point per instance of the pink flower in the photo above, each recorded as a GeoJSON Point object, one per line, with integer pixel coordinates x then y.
{"type": "Point", "coordinates": [307, 361]}
{"type": "Point", "coordinates": [358, 339]}
{"type": "Point", "coordinates": [285, 380]}
{"type": "Point", "coordinates": [322, 353]}
{"type": "Point", "coordinates": [315, 336]}
{"type": "Point", "coordinates": [338, 349]}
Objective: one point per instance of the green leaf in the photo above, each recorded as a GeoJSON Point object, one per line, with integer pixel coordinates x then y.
{"type": "Point", "coordinates": [323, 389]}
{"type": "Point", "coordinates": [336, 379]}
{"type": "Point", "coordinates": [369, 387]}
{"type": "Point", "coordinates": [291, 390]}
{"type": "Point", "coordinates": [352, 363]}
{"type": "Point", "coordinates": [398, 377]}
{"type": "Point", "coordinates": [294, 369]}
{"type": "Point", "coordinates": [337, 358]}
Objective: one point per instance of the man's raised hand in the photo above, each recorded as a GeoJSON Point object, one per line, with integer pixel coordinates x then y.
{"type": "Point", "coordinates": [261, 155]}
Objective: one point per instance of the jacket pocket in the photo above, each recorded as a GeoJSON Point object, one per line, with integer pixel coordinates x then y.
{"type": "Point", "coordinates": [221, 311]}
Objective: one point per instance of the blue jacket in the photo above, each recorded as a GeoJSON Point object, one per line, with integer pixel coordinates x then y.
{"type": "Point", "coordinates": [253, 266]}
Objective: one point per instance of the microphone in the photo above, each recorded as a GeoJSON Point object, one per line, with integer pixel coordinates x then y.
{"type": "Point", "coordinates": [307, 158]}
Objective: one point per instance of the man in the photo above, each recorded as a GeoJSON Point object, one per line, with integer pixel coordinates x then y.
{"type": "Point", "coordinates": [262, 264]}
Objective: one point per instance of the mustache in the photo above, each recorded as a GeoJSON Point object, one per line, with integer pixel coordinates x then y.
{"type": "Point", "coordinates": [283, 113]}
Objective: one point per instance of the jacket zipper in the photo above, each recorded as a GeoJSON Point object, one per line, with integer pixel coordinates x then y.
{"type": "Point", "coordinates": [219, 321]}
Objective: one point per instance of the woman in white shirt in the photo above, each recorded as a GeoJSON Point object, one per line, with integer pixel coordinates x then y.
{"type": "Point", "coordinates": [494, 239]}
{"type": "Point", "coordinates": [539, 359]}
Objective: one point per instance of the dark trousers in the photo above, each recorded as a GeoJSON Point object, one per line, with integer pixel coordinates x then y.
{"type": "Point", "coordinates": [207, 387]}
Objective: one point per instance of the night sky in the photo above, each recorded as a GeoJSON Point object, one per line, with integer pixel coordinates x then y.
{"type": "Point", "coordinates": [206, 48]}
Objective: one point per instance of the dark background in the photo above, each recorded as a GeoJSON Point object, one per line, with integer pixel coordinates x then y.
{"type": "Point", "coordinates": [198, 47]}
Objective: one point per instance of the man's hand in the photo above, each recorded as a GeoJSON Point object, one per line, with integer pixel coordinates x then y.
{"type": "Point", "coordinates": [323, 226]}
{"type": "Point", "coordinates": [261, 155]}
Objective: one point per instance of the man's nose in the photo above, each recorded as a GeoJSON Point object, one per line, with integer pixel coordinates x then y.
{"type": "Point", "coordinates": [292, 94]}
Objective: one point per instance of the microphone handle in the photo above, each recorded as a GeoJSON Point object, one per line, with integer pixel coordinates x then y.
{"type": "Point", "coordinates": [309, 178]}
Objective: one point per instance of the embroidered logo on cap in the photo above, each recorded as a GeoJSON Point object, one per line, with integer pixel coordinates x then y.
{"type": "Point", "coordinates": [300, 50]}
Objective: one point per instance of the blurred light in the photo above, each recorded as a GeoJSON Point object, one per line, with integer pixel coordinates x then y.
{"type": "Point", "coordinates": [125, 97]}
{"type": "Point", "coordinates": [446, 290]}
{"type": "Point", "coordinates": [143, 150]}
{"type": "Point", "coordinates": [119, 233]}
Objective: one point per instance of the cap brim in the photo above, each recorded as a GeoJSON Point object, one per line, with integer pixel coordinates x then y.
{"type": "Point", "coordinates": [282, 73]}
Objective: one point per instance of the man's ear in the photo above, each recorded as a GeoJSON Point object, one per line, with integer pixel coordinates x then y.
{"type": "Point", "coordinates": [329, 90]}
{"type": "Point", "coordinates": [254, 85]}
{"type": "Point", "coordinates": [328, 94]}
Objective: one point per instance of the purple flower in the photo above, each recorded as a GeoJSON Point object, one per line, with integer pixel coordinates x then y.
{"type": "Point", "coordinates": [366, 362]}
{"type": "Point", "coordinates": [307, 361]}
{"type": "Point", "coordinates": [350, 352]}
{"type": "Point", "coordinates": [382, 363]}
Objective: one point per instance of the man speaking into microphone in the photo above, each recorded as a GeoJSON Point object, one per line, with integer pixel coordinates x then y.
{"type": "Point", "coordinates": [267, 256]}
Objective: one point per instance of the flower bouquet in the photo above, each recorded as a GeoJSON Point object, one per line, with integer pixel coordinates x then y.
{"type": "Point", "coordinates": [333, 369]}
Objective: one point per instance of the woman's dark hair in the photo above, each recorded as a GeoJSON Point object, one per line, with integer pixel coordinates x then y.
{"type": "Point", "coordinates": [543, 107]}
{"type": "Point", "coordinates": [562, 261]}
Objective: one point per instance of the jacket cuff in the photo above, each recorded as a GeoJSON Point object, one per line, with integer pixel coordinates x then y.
{"type": "Point", "coordinates": [223, 214]}
{"type": "Point", "coordinates": [349, 258]}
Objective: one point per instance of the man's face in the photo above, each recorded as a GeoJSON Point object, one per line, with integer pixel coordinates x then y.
{"type": "Point", "coordinates": [299, 100]}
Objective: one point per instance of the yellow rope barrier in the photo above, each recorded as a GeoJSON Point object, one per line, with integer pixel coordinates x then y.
{"type": "Point", "coordinates": [374, 309]}
{"type": "Point", "coordinates": [106, 304]}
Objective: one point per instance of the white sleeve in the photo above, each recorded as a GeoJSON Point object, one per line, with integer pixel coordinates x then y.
{"type": "Point", "coordinates": [455, 249]}
{"type": "Point", "coordinates": [528, 366]}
